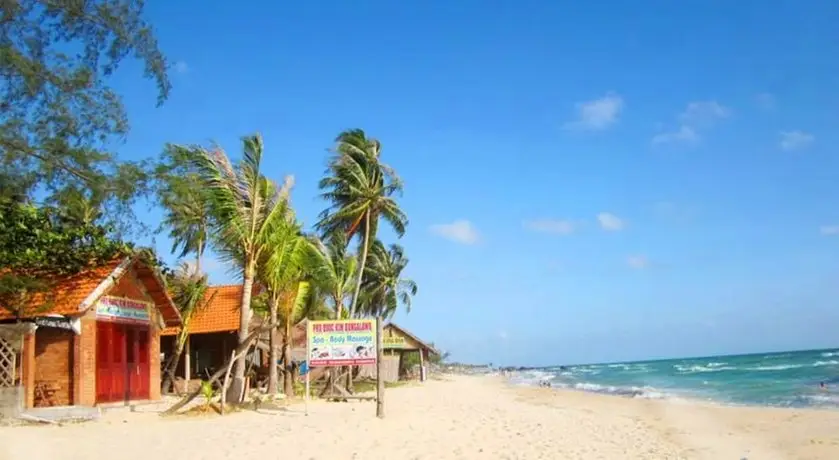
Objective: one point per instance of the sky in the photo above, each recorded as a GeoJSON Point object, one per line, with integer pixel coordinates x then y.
{"type": "Point", "coordinates": [585, 181]}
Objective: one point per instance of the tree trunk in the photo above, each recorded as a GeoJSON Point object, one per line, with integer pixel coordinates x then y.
{"type": "Point", "coordinates": [240, 350]}
{"type": "Point", "coordinates": [169, 373]}
{"type": "Point", "coordinates": [272, 353]}
{"type": "Point", "coordinates": [288, 380]}
{"type": "Point", "coordinates": [234, 393]}
{"type": "Point", "coordinates": [364, 249]}
{"type": "Point", "coordinates": [380, 381]}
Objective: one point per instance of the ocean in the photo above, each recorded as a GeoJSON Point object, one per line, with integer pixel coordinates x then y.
{"type": "Point", "coordinates": [786, 379]}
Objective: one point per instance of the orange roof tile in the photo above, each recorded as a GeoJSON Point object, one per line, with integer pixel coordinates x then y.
{"type": "Point", "coordinates": [68, 294]}
{"type": "Point", "coordinates": [220, 315]}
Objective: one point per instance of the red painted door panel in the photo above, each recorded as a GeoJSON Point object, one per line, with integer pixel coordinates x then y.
{"type": "Point", "coordinates": [122, 362]}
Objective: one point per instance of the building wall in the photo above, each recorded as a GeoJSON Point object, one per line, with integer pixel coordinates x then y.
{"type": "Point", "coordinates": [53, 367]}
{"type": "Point", "coordinates": [71, 359]}
{"type": "Point", "coordinates": [85, 370]}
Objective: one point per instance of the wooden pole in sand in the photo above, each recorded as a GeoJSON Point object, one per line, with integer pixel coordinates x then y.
{"type": "Point", "coordinates": [308, 373]}
{"type": "Point", "coordinates": [380, 382]}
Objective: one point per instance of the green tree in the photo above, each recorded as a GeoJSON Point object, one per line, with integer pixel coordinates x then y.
{"type": "Point", "coordinates": [384, 287]}
{"type": "Point", "coordinates": [185, 201]}
{"type": "Point", "coordinates": [245, 207]}
{"type": "Point", "coordinates": [335, 271]}
{"type": "Point", "coordinates": [57, 113]}
{"type": "Point", "coordinates": [360, 190]}
{"type": "Point", "coordinates": [384, 290]}
{"type": "Point", "coordinates": [189, 291]}
{"type": "Point", "coordinates": [39, 245]}
{"type": "Point", "coordinates": [283, 273]}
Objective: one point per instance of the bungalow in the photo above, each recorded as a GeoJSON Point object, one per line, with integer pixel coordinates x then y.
{"type": "Point", "coordinates": [399, 343]}
{"type": "Point", "coordinates": [94, 340]}
{"type": "Point", "coordinates": [213, 335]}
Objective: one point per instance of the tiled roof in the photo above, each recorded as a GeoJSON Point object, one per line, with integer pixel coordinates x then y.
{"type": "Point", "coordinates": [70, 293]}
{"type": "Point", "coordinates": [220, 315]}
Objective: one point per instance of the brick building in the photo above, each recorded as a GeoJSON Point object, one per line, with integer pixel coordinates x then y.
{"type": "Point", "coordinates": [97, 338]}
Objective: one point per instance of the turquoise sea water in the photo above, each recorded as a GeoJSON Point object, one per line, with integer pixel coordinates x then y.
{"type": "Point", "coordinates": [789, 379]}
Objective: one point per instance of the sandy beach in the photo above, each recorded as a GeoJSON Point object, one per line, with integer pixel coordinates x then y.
{"type": "Point", "coordinates": [453, 418]}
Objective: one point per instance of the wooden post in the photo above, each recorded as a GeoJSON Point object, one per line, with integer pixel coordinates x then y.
{"type": "Point", "coordinates": [27, 364]}
{"type": "Point", "coordinates": [187, 363]}
{"type": "Point", "coordinates": [380, 381]}
{"type": "Point", "coordinates": [308, 374]}
{"type": "Point", "coordinates": [422, 365]}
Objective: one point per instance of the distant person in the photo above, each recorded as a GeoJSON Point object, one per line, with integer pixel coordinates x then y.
{"type": "Point", "coordinates": [822, 386]}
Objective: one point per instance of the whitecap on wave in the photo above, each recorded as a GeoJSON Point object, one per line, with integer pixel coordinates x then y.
{"type": "Point", "coordinates": [698, 368]}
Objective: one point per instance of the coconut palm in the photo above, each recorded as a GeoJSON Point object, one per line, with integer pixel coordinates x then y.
{"type": "Point", "coordinates": [384, 290]}
{"type": "Point", "coordinates": [384, 287]}
{"type": "Point", "coordinates": [185, 201]}
{"type": "Point", "coordinates": [188, 289]}
{"type": "Point", "coordinates": [336, 272]}
{"type": "Point", "coordinates": [283, 272]}
{"type": "Point", "coordinates": [360, 190]}
{"type": "Point", "coordinates": [188, 220]}
{"type": "Point", "coordinates": [245, 207]}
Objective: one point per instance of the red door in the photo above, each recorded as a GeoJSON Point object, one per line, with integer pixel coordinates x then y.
{"type": "Point", "coordinates": [110, 362]}
{"type": "Point", "coordinates": [138, 363]}
{"type": "Point", "coordinates": [122, 362]}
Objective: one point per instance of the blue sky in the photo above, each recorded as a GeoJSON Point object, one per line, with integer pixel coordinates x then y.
{"type": "Point", "coordinates": [586, 182]}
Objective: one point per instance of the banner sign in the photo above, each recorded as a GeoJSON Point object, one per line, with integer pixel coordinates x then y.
{"type": "Point", "coordinates": [122, 310]}
{"type": "Point", "coordinates": [394, 341]}
{"type": "Point", "coordinates": [60, 323]}
{"type": "Point", "coordinates": [341, 343]}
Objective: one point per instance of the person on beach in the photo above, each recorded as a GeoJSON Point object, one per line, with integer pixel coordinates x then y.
{"type": "Point", "coordinates": [822, 386]}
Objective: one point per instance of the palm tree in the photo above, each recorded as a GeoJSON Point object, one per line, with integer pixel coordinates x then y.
{"type": "Point", "coordinates": [188, 220]}
{"type": "Point", "coordinates": [189, 293]}
{"type": "Point", "coordinates": [336, 273]}
{"type": "Point", "coordinates": [384, 287]}
{"type": "Point", "coordinates": [283, 272]}
{"type": "Point", "coordinates": [384, 291]}
{"type": "Point", "coordinates": [360, 190]}
{"type": "Point", "coordinates": [185, 201]}
{"type": "Point", "coordinates": [245, 207]}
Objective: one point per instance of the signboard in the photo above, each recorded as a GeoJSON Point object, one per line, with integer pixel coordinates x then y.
{"type": "Point", "coordinates": [341, 343]}
{"type": "Point", "coordinates": [394, 341]}
{"type": "Point", "coordinates": [122, 310]}
{"type": "Point", "coordinates": [60, 322]}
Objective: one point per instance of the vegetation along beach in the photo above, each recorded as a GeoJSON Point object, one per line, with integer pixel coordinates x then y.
{"type": "Point", "coordinates": [418, 230]}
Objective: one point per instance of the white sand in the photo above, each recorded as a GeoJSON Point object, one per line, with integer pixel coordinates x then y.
{"type": "Point", "coordinates": [462, 418]}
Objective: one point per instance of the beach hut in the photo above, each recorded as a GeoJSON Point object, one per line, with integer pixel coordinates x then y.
{"type": "Point", "coordinates": [399, 343]}
{"type": "Point", "coordinates": [93, 340]}
{"type": "Point", "coordinates": [213, 334]}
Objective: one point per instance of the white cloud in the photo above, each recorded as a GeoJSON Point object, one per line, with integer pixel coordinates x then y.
{"type": "Point", "coordinates": [637, 262]}
{"type": "Point", "coordinates": [460, 231]}
{"type": "Point", "coordinates": [685, 134]}
{"type": "Point", "coordinates": [610, 222]}
{"type": "Point", "coordinates": [181, 67]}
{"type": "Point", "coordinates": [795, 140]}
{"type": "Point", "coordinates": [598, 114]}
{"type": "Point", "coordinates": [765, 101]}
{"type": "Point", "coordinates": [700, 115]}
{"type": "Point", "coordinates": [829, 229]}
{"type": "Point", "coordinates": [558, 227]}
{"type": "Point", "coordinates": [703, 113]}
